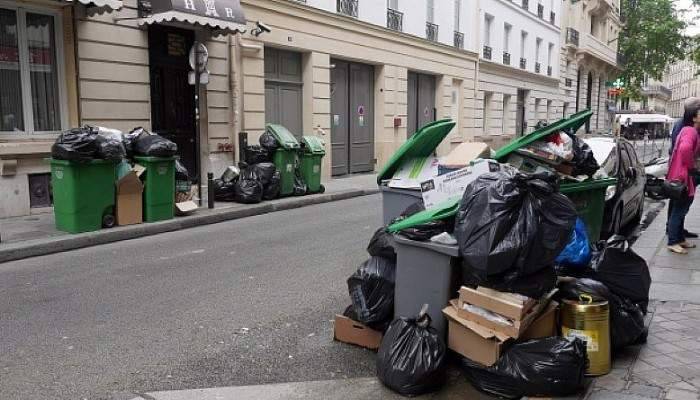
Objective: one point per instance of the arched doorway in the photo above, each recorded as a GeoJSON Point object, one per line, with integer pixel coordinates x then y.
{"type": "Point", "coordinates": [589, 99]}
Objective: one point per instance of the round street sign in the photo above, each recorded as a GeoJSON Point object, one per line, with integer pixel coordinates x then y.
{"type": "Point", "coordinates": [199, 56]}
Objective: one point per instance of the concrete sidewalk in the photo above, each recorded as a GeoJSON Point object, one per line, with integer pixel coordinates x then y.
{"type": "Point", "coordinates": [35, 235]}
{"type": "Point", "coordinates": [666, 368]}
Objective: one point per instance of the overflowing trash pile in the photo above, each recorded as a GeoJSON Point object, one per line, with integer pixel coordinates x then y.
{"type": "Point", "coordinates": [535, 301]}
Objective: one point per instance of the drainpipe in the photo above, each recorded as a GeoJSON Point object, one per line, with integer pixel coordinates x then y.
{"type": "Point", "coordinates": [478, 55]}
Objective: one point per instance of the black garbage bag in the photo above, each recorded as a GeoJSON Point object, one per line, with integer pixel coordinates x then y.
{"type": "Point", "coordinates": [533, 285]}
{"type": "Point", "coordinates": [248, 191]}
{"type": "Point", "coordinates": [546, 367]}
{"type": "Point", "coordinates": [261, 171]}
{"type": "Point", "coordinates": [382, 245]}
{"type": "Point", "coordinates": [371, 290]}
{"type": "Point", "coordinates": [511, 221]}
{"type": "Point", "coordinates": [153, 145]}
{"type": "Point", "coordinates": [272, 190]}
{"type": "Point", "coordinates": [269, 142]}
{"type": "Point", "coordinates": [130, 138]}
{"type": "Point", "coordinates": [623, 271]}
{"type": "Point", "coordinates": [411, 357]}
{"type": "Point", "coordinates": [77, 144]}
{"type": "Point", "coordinates": [626, 318]}
{"type": "Point", "coordinates": [224, 191]}
{"type": "Point", "coordinates": [300, 187]}
{"type": "Point", "coordinates": [181, 172]}
{"type": "Point", "coordinates": [424, 232]}
{"type": "Point", "coordinates": [110, 144]}
{"type": "Point", "coordinates": [255, 154]}
{"type": "Point", "coordinates": [584, 161]}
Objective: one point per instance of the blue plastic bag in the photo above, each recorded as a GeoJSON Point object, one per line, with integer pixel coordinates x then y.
{"type": "Point", "coordinates": [577, 252]}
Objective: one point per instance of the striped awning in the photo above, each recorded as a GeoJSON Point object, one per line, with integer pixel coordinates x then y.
{"type": "Point", "coordinates": [221, 16]}
{"type": "Point", "coordinates": [98, 6]}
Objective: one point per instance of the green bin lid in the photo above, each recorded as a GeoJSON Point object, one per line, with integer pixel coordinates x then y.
{"type": "Point", "coordinates": [56, 161]}
{"type": "Point", "coordinates": [285, 138]}
{"type": "Point", "coordinates": [154, 159]}
{"type": "Point", "coordinates": [313, 145]}
{"type": "Point", "coordinates": [422, 144]}
{"type": "Point", "coordinates": [574, 122]}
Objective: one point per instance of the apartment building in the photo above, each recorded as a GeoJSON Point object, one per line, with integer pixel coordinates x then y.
{"type": "Point", "coordinates": [589, 58]}
{"type": "Point", "coordinates": [519, 70]}
{"type": "Point", "coordinates": [682, 79]}
{"type": "Point", "coordinates": [655, 98]}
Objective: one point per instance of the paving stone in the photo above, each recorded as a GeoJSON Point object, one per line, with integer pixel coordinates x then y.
{"type": "Point", "coordinates": [665, 348]}
{"type": "Point", "coordinates": [695, 382]}
{"type": "Point", "coordinates": [672, 316]}
{"type": "Point", "coordinates": [651, 339]}
{"type": "Point", "coordinates": [667, 336]}
{"type": "Point", "coordinates": [647, 351]}
{"type": "Point", "coordinates": [686, 357]}
{"type": "Point", "coordinates": [675, 394]}
{"type": "Point", "coordinates": [672, 326]}
{"type": "Point", "coordinates": [640, 366]}
{"type": "Point", "coordinates": [659, 318]}
{"type": "Point", "coordinates": [661, 361]}
{"type": "Point", "coordinates": [688, 323]}
{"type": "Point", "coordinates": [610, 382]}
{"type": "Point", "coordinates": [685, 371]}
{"type": "Point", "coordinates": [608, 395]}
{"type": "Point", "coordinates": [658, 377]}
{"type": "Point", "coordinates": [644, 390]}
{"type": "Point", "coordinates": [670, 275]}
{"type": "Point", "coordinates": [684, 386]}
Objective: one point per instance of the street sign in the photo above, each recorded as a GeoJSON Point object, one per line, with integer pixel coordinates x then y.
{"type": "Point", "coordinates": [199, 56]}
{"type": "Point", "coordinates": [203, 78]}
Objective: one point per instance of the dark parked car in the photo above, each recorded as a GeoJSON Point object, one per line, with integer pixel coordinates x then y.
{"type": "Point", "coordinates": [624, 202]}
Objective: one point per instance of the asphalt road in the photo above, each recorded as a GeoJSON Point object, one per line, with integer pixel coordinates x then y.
{"type": "Point", "coordinates": [238, 303]}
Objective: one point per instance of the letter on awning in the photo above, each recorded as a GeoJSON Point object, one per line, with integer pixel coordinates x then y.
{"type": "Point", "coordinates": [222, 16]}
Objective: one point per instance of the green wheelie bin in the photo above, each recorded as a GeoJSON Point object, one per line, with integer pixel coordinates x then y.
{"type": "Point", "coordinates": [286, 157]}
{"type": "Point", "coordinates": [83, 194]}
{"type": "Point", "coordinates": [310, 158]}
{"type": "Point", "coordinates": [158, 188]}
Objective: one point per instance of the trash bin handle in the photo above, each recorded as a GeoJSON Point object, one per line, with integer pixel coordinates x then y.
{"type": "Point", "coordinates": [583, 298]}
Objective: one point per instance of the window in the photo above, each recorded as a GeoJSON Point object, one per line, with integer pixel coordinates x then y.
{"type": "Point", "coordinates": [458, 12]}
{"type": "Point", "coordinates": [506, 112]}
{"type": "Point", "coordinates": [431, 11]}
{"type": "Point", "coordinates": [487, 111]}
{"type": "Point", "coordinates": [549, 110]}
{"type": "Point", "coordinates": [593, 24]}
{"type": "Point", "coordinates": [392, 4]}
{"type": "Point", "coordinates": [538, 103]}
{"type": "Point", "coordinates": [523, 40]}
{"type": "Point", "coordinates": [538, 45]}
{"type": "Point", "coordinates": [507, 28]}
{"type": "Point", "coordinates": [488, 21]}
{"type": "Point", "coordinates": [550, 51]}
{"type": "Point", "coordinates": [564, 110]}
{"type": "Point", "coordinates": [29, 73]}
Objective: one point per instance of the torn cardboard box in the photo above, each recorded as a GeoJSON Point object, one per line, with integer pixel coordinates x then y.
{"type": "Point", "coordinates": [348, 331]}
{"type": "Point", "coordinates": [463, 155]}
{"type": "Point", "coordinates": [129, 207]}
{"type": "Point", "coordinates": [441, 188]}
{"type": "Point", "coordinates": [413, 172]}
{"type": "Point", "coordinates": [483, 345]}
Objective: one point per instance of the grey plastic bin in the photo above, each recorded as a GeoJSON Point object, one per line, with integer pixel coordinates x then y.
{"type": "Point", "coordinates": [426, 273]}
{"type": "Point", "coordinates": [395, 201]}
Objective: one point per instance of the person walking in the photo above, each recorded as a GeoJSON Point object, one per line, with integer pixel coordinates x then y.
{"type": "Point", "coordinates": [681, 169]}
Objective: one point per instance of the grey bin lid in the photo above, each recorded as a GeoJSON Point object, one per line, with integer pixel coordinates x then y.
{"type": "Point", "coordinates": [313, 145]}
{"type": "Point", "coordinates": [284, 137]}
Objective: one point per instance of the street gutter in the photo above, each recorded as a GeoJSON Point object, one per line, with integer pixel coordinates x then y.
{"type": "Point", "coordinates": [41, 247]}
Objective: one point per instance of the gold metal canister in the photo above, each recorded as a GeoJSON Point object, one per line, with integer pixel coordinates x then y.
{"type": "Point", "coordinates": [590, 322]}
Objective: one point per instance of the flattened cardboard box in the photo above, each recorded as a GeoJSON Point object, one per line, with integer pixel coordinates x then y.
{"type": "Point", "coordinates": [348, 331]}
{"type": "Point", "coordinates": [483, 345]}
{"type": "Point", "coordinates": [129, 199]}
{"type": "Point", "coordinates": [505, 304]}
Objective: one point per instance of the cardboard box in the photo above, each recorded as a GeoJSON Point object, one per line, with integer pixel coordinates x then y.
{"type": "Point", "coordinates": [507, 304]}
{"type": "Point", "coordinates": [464, 154]}
{"type": "Point", "coordinates": [185, 207]}
{"type": "Point", "coordinates": [452, 184]}
{"type": "Point", "coordinates": [413, 172]}
{"type": "Point", "coordinates": [129, 199]}
{"type": "Point", "coordinates": [483, 345]}
{"type": "Point", "coordinates": [353, 332]}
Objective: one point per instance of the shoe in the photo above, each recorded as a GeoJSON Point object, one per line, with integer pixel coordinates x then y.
{"type": "Point", "coordinates": [687, 245]}
{"type": "Point", "coordinates": [676, 248]}
{"type": "Point", "coordinates": [690, 235]}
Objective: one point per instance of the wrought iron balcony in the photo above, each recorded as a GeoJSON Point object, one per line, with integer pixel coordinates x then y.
{"type": "Point", "coordinates": [568, 82]}
{"type": "Point", "coordinates": [523, 63]}
{"type": "Point", "coordinates": [572, 36]}
{"type": "Point", "coordinates": [347, 7]}
{"type": "Point", "coordinates": [487, 52]}
{"type": "Point", "coordinates": [394, 20]}
{"type": "Point", "coordinates": [506, 58]}
{"type": "Point", "coordinates": [549, 70]}
{"type": "Point", "coordinates": [459, 40]}
{"type": "Point", "coordinates": [526, 4]}
{"type": "Point", "coordinates": [538, 67]}
{"type": "Point", "coordinates": [552, 17]}
{"type": "Point", "coordinates": [540, 11]}
{"type": "Point", "coordinates": [431, 31]}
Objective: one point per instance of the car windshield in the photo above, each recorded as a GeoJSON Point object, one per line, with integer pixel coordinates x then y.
{"type": "Point", "coordinates": [604, 154]}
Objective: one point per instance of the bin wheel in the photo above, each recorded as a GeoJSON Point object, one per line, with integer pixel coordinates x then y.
{"type": "Point", "coordinates": [321, 189]}
{"type": "Point", "coordinates": [108, 221]}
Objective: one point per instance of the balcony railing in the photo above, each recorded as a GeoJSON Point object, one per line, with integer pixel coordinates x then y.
{"type": "Point", "coordinates": [568, 82]}
{"type": "Point", "coordinates": [538, 67]}
{"type": "Point", "coordinates": [506, 58]}
{"type": "Point", "coordinates": [431, 31]}
{"type": "Point", "coordinates": [525, 4]}
{"type": "Point", "coordinates": [459, 40]}
{"type": "Point", "coordinates": [347, 7]}
{"type": "Point", "coordinates": [394, 20]}
{"type": "Point", "coordinates": [621, 59]}
{"type": "Point", "coordinates": [487, 52]}
{"type": "Point", "coordinates": [552, 17]}
{"type": "Point", "coordinates": [523, 63]}
{"type": "Point", "coordinates": [656, 89]}
{"type": "Point", "coordinates": [540, 11]}
{"type": "Point", "coordinates": [572, 36]}
{"type": "Point", "coordinates": [549, 70]}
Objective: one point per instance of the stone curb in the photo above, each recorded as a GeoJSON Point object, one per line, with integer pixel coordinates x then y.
{"type": "Point", "coordinates": [41, 247]}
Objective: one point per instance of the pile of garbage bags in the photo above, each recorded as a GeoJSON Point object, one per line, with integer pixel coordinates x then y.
{"type": "Point", "coordinates": [250, 185]}
{"type": "Point", "coordinates": [89, 143]}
